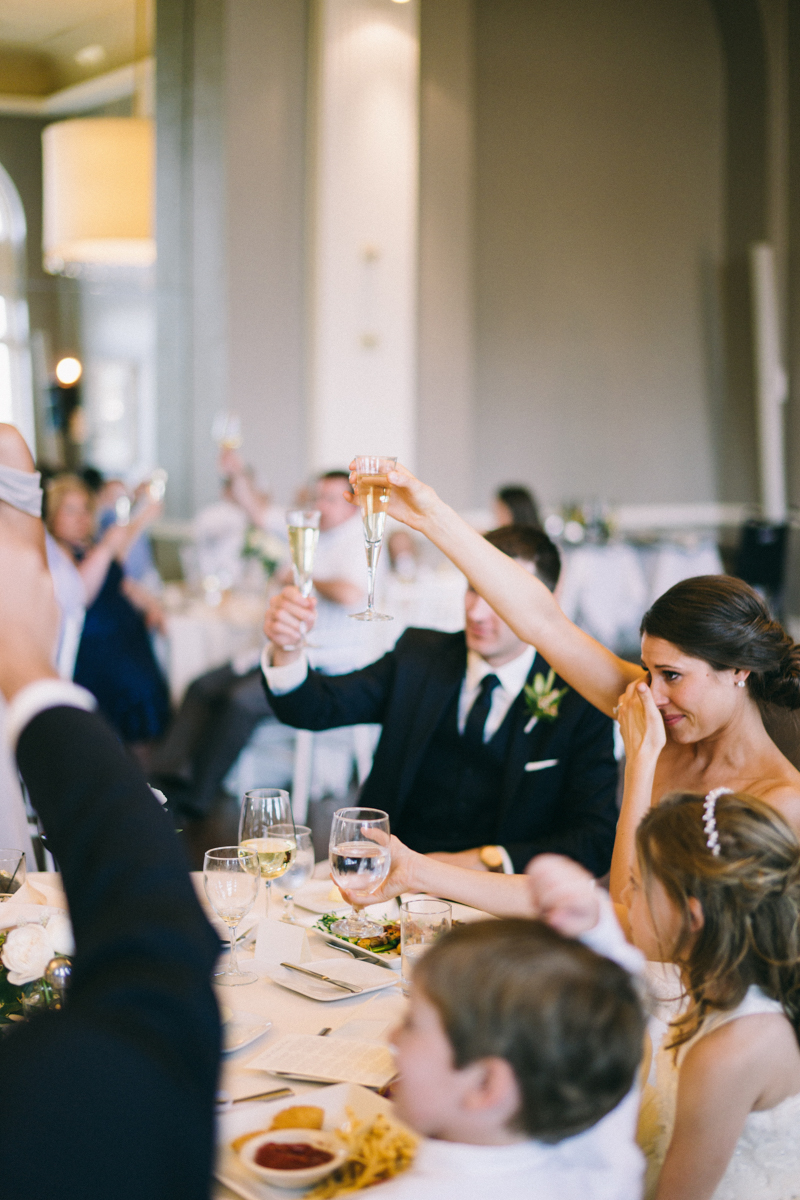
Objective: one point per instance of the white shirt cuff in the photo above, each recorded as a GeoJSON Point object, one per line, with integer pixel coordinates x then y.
{"type": "Point", "coordinates": [508, 866]}
{"type": "Point", "coordinates": [608, 939]}
{"type": "Point", "coordinates": [36, 697]}
{"type": "Point", "coordinates": [281, 680]}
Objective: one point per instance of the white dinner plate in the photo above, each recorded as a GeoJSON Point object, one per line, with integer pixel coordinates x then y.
{"type": "Point", "coordinates": [318, 896]}
{"type": "Point", "coordinates": [360, 974]}
{"type": "Point", "coordinates": [335, 1102]}
{"type": "Point", "coordinates": [391, 958]}
{"type": "Point", "coordinates": [240, 1029]}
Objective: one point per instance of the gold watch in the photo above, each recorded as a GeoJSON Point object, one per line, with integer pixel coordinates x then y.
{"type": "Point", "coordinates": [491, 857]}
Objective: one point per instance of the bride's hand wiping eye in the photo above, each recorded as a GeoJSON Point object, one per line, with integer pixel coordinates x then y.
{"type": "Point", "coordinates": [640, 722]}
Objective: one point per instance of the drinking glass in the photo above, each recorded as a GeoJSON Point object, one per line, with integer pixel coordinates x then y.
{"type": "Point", "coordinates": [13, 872]}
{"type": "Point", "coordinates": [226, 430]}
{"type": "Point", "coordinates": [300, 871]}
{"type": "Point", "coordinates": [230, 879]}
{"type": "Point", "coordinates": [266, 826]}
{"type": "Point", "coordinates": [372, 490]}
{"type": "Point", "coordinates": [303, 528]}
{"type": "Point", "coordinates": [360, 859]}
{"type": "Point", "coordinates": [422, 921]}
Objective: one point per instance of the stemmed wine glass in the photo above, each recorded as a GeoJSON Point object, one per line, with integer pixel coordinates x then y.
{"type": "Point", "coordinates": [302, 525]}
{"type": "Point", "coordinates": [299, 872]}
{"type": "Point", "coordinates": [360, 859]}
{"type": "Point", "coordinates": [266, 826]}
{"type": "Point", "coordinates": [372, 489]}
{"type": "Point", "coordinates": [226, 430]}
{"type": "Point", "coordinates": [230, 879]}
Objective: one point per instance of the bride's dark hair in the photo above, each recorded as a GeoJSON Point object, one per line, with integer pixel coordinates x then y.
{"type": "Point", "coordinates": [723, 621]}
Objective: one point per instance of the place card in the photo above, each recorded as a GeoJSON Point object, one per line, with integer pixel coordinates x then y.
{"type": "Point", "coordinates": [278, 942]}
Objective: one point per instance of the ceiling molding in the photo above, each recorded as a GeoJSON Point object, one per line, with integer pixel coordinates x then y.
{"type": "Point", "coordinates": [83, 97]}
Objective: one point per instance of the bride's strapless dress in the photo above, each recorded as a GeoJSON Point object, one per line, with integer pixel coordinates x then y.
{"type": "Point", "coordinates": [766, 1162]}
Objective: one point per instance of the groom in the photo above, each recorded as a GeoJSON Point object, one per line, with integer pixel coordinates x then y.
{"type": "Point", "coordinates": [469, 767]}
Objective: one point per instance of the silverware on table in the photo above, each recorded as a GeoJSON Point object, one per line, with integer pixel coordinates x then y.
{"type": "Point", "coordinates": [223, 1100]}
{"type": "Point", "coordinates": [362, 955]}
{"type": "Point", "coordinates": [346, 987]}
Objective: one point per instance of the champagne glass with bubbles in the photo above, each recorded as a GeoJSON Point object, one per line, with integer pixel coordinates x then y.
{"type": "Point", "coordinates": [302, 525]}
{"type": "Point", "coordinates": [360, 861]}
{"type": "Point", "coordinates": [266, 827]}
{"type": "Point", "coordinates": [372, 490]}
{"type": "Point", "coordinates": [230, 880]}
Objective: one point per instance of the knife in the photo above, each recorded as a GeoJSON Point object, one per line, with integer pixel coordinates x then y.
{"type": "Point", "coordinates": [362, 955]}
{"type": "Point", "coordinates": [346, 987]}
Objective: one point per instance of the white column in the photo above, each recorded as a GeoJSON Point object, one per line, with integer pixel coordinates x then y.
{"type": "Point", "coordinates": [363, 285]}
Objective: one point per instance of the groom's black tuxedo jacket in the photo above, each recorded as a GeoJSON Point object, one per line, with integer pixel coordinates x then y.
{"type": "Point", "coordinates": [558, 781]}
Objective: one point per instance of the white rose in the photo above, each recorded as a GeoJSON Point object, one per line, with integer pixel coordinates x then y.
{"type": "Point", "coordinates": [59, 930]}
{"type": "Point", "coordinates": [26, 953]}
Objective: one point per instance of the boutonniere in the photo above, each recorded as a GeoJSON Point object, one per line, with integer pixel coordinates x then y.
{"type": "Point", "coordinates": [542, 700]}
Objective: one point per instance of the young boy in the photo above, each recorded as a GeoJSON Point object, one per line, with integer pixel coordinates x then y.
{"type": "Point", "coordinates": [517, 1061]}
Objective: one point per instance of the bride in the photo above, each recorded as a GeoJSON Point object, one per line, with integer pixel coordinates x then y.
{"type": "Point", "coordinates": [711, 655]}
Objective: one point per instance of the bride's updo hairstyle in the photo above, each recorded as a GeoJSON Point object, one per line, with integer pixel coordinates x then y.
{"type": "Point", "coordinates": [724, 622]}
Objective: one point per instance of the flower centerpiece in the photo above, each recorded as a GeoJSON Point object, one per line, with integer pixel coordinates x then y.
{"type": "Point", "coordinates": [265, 548]}
{"type": "Point", "coordinates": [25, 952]}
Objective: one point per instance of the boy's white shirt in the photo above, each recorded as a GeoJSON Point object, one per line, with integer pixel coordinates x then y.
{"type": "Point", "coordinates": [603, 1163]}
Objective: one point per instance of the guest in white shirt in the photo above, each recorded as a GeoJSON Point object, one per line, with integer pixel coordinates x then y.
{"type": "Point", "coordinates": [516, 1061]}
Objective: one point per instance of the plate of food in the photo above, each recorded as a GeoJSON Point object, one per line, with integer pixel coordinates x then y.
{"type": "Point", "coordinates": [342, 1118]}
{"type": "Point", "coordinates": [385, 948]}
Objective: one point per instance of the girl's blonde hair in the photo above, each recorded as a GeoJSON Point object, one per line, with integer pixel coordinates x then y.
{"type": "Point", "coordinates": [55, 492]}
{"type": "Point", "coordinates": [749, 893]}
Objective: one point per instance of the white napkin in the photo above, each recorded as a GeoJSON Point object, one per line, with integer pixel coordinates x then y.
{"type": "Point", "coordinates": [278, 942]}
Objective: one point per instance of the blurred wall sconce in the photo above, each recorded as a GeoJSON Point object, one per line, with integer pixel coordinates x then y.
{"type": "Point", "coordinates": [68, 371]}
{"type": "Point", "coordinates": [98, 194]}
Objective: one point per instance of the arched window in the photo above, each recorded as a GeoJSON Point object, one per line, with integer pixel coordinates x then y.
{"type": "Point", "coordinates": [16, 390]}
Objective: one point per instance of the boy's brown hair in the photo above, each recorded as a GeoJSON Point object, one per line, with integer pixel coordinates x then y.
{"type": "Point", "coordinates": [568, 1021]}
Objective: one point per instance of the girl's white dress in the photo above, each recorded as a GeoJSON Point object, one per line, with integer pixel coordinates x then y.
{"type": "Point", "coordinates": [766, 1162]}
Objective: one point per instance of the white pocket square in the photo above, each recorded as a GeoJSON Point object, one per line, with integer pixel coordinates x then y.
{"type": "Point", "coordinates": [542, 764]}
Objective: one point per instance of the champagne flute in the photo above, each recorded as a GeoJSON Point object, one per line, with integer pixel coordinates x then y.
{"type": "Point", "coordinates": [303, 528]}
{"type": "Point", "coordinates": [266, 827]}
{"type": "Point", "coordinates": [372, 489]}
{"type": "Point", "coordinates": [299, 872]}
{"type": "Point", "coordinates": [360, 859]}
{"type": "Point", "coordinates": [226, 430]}
{"type": "Point", "coordinates": [230, 879]}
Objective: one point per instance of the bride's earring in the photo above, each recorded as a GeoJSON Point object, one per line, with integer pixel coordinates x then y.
{"type": "Point", "coordinates": [740, 683]}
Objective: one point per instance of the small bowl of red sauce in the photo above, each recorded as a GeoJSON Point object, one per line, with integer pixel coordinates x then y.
{"type": "Point", "coordinates": [293, 1158]}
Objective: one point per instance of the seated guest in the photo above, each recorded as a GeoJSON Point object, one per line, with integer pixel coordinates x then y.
{"type": "Point", "coordinates": [516, 505]}
{"type": "Point", "coordinates": [115, 659]}
{"type": "Point", "coordinates": [113, 1095]}
{"type": "Point", "coordinates": [517, 1059]}
{"type": "Point", "coordinates": [472, 764]}
{"type": "Point", "coordinates": [222, 708]}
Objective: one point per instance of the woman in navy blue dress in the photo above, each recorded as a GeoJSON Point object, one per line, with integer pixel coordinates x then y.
{"type": "Point", "coordinates": [115, 657]}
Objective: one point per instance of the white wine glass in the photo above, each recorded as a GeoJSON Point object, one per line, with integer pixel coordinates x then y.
{"type": "Point", "coordinates": [299, 872]}
{"type": "Point", "coordinates": [266, 826]}
{"type": "Point", "coordinates": [226, 430]}
{"type": "Point", "coordinates": [230, 879]}
{"type": "Point", "coordinates": [302, 525]}
{"type": "Point", "coordinates": [372, 490]}
{"type": "Point", "coordinates": [360, 859]}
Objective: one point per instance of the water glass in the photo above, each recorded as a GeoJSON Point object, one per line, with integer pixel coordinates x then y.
{"type": "Point", "coordinates": [266, 826]}
{"type": "Point", "coordinates": [422, 922]}
{"type": "Point", "coordinates": [230, 880]}
{"type": "Point", "coordinates": [13, 872]}
{"type": "Point", "coordinates": [299, 872]}
{"type": "Point", "coordinates": [360, 859]}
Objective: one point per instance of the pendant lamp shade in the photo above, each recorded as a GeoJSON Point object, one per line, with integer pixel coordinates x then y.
{"type": "Point", "coordinates": [98, 193]}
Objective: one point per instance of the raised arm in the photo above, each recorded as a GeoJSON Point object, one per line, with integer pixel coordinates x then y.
{"type": "Point", "coordinates": [518, 597]}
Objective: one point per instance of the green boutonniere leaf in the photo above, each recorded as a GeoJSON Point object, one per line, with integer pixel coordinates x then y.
{"type": "Point", "coordinates": [542, 700]}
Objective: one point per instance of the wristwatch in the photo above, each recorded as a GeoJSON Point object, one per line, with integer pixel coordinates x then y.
{"type": "Point", "coordinates": [492, 858]}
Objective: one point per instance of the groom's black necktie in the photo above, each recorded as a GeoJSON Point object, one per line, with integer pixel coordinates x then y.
{"type": "Point", "coordinates": [476, 719]}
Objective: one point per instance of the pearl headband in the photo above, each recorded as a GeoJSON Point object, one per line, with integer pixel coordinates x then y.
{"type": "Point", "coordinates": [709, 819]}
{"type": "Point", "coordinates": [21, 490]}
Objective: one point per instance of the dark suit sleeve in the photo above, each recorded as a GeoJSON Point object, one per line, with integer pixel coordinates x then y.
{"type": "Point", "coordinates": [115, 1094]}
{"type": "Point", "coordinates": [329, 701]}
{"type": "Point", "coordinates": [586, 821]}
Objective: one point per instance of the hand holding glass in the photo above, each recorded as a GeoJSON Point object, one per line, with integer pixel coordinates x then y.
{"type": "Point", "coordinates": [266, 826]}
{"type": "Point", "coordinates": [360, 859]}
{"type": "Point", "coordinates": [230, 879]}
{"type": "Point", "coordinates": [372, 490]}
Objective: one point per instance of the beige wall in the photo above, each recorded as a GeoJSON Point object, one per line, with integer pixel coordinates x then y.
{"type": "Point", "coordinates": [597, 241]}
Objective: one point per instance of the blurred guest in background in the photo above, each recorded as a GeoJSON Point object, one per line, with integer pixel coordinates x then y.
{"type": "Point", "coordinates": [514, 504]}
{"type": "Point", "coordinates": [115, 659]}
